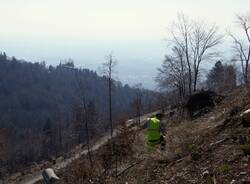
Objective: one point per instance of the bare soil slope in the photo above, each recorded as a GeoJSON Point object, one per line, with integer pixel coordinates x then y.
{"type": "Point", "coordinates": [210, 149]}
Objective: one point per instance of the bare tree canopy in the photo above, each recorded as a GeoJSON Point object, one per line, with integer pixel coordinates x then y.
{"type": "Point", "coordinates": [197, 40]}
{"type": "Point", "coordinates": [173, 72]}
{"type": "Point", "coordinates": [242, 46]}
{"type": "Point", "coordinates": [109, 65]}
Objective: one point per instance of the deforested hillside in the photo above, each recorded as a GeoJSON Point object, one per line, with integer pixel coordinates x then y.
{"type": "Point", "coordinates": [212, 148]}
{"type": "Point", "coordinates": [182, 115]}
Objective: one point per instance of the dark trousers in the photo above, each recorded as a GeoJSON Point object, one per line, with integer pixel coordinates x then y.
{"type": "Point", "coordinates": [162, 140]}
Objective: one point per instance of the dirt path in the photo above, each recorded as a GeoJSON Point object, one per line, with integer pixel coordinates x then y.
{"type": "Point", "coordinates": [36, 176]}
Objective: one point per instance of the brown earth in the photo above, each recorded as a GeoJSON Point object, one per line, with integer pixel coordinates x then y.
{"type": "Point", "coordinates": [208, 149]}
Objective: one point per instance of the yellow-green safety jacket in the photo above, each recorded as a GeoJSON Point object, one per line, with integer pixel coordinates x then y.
{"type": "Point", "coordinates": [153, 131]}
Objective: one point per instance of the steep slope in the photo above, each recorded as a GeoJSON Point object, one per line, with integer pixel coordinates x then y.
{"type": "Point", "coordinates": [208, 149]}
{"type": "Point", "coordinates": [205, 150]}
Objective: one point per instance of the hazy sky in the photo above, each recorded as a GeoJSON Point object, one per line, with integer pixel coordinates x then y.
{"type": "Point", "coordinates": [87, 30]}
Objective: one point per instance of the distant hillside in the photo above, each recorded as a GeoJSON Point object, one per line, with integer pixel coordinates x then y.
{"type": "Point", "coordinates": [39, 105]}
{"type": "Point", "coordinates": [32, 92]}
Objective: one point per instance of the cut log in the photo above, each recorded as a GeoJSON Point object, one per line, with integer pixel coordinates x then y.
{"type": "Point", "coordinates": [129, 167]}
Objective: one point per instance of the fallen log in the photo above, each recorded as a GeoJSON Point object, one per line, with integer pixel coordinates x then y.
{"type": "Point", "coordinates": [129, 167]}
{"type": "Point", "coordinates": [218, 142]}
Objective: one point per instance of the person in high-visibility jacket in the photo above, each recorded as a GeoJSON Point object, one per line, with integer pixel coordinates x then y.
{"type": "Point", "coordinates": [154, 135]}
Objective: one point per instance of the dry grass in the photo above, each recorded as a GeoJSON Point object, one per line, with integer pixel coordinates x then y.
{"type": "Point", "coordinates": [81, 172]}
{"type": "Point", "coordinates": [179, 139]}
{"type": "Point", "coordinates": [188, 153]}
{"type": "Point", "coordinates": [118, 151]}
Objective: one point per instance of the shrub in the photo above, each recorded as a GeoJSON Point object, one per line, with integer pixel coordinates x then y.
{"type": "Point", "coordinates": [224, 169]}
{"type": "Point", "coordinates": [193, 148]}
{"type": "Point", "coordinates": [119, 148]}
{"type": "Point", "coordinates": [81, 172]}
{"type": "Point", "coordinates": [246, 149]}
{"type": "Point", "coordinates": [194, 152]}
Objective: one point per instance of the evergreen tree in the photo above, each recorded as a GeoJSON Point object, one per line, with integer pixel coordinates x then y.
{"type": "Point", "coordinates": [221, 77]}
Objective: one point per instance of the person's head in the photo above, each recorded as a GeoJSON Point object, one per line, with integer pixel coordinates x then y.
{"type": "Point", "coordinates": [159, 116]}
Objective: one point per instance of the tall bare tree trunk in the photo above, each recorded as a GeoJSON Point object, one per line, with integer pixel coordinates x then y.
{"type": "Point", "coordinates": [188, 63]}
{"type": "Point", "coordinates": [60, 136]}
{"type": "Point", "coordinates": [189, 80]}
{"type": "Point", "coordinates": [247, 62]}
{"type": "Point", "coordinates": [108, 71]}
{"type": "Point", "coordinates": [87, 134]}
{"type": "Point", "coordinates": [84, 112]}
{"type": "Point", "coordinates": [110, 106]}
{"type": "Point", "coordinates": [195, 80]}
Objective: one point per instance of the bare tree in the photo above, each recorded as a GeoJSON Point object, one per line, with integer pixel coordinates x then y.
{"type": "Point", "coordinates": [196, 40]}
{"type": "Point", "coordinates": [84, 114]}
{"type": "Point", "coordinates": [180, 32]}
{"type": "Point", "coordinates": [242, 46]}
{"type": "Point", "coordinates": [108, 69]}
{"type": "Point", "coordinates": [230, 76]}
{"type": "Point", "coordinates": [149, 101]}
{"type": "Point", "coordinates": [84, 111]}
{"type": "Point", "coordinates": [202, 41]}
{"type": "Point", "coordinates": [173, 73]}
{"type": "Point", "coordinates": [137, 102]}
